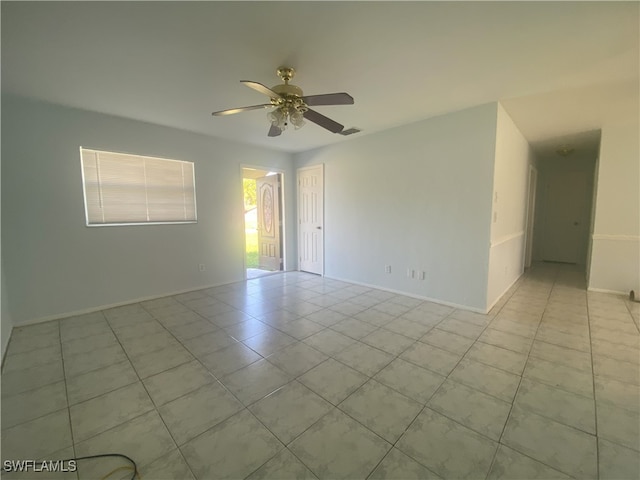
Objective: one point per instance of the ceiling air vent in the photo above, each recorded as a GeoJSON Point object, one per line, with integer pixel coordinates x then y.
{"type": "Point", "coordinates": [350, 131]}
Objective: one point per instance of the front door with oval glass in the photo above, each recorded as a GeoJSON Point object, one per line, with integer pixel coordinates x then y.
{"type": "Point", "coordinates": [267, 196]}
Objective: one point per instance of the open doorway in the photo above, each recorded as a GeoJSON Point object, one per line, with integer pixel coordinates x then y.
{"type": "Point", "coordinates": [263, 219]}
{"type": "Point", "coordinates": [564, 204]}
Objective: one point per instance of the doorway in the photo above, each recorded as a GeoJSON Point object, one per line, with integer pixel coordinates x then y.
{"type": "Point", "coordinates": [564, 206]}
{"type": "Point", "coordinates": [263, 221]}
{"type": "Point", "coordinates": [567, 211]}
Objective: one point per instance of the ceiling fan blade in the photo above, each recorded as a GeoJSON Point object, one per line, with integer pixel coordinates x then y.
{"type": "Point", "coordinates": [260, 88]}
{"type": "Point", "coordinates": [274, 131]}
{"type": "Point", "coordinates": [329, 99]}
{"type": "Point", "coordinates": [231, 111]}
{"type": "Point", "coordinates": [324, 122]}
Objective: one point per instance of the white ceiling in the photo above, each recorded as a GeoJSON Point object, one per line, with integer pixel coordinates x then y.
{"type": "Point", "coordinates": [173, 63]}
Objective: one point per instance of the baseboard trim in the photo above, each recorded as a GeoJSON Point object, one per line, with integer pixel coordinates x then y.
{"type": "Point", "coordinates": [407, 294]}
{"type": "Point", "coordinates": [489, 307]}
{"type": "Point", "coordinates": [84, 311]}
{"type": "Point", "coordinates": [604, 290]}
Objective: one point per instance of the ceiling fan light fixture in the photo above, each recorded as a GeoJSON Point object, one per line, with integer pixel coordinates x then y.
{"type": "Point", "coordinates": [564, 150]}
{"type": "Point", "coordinates": [297, 119]}
{"type": "Point", "coordinates": [291, 105]}
{"type": "Point", "coordinates": [278, 118]}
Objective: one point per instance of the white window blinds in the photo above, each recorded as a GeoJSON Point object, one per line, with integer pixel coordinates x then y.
{"type": "Point", "coordinates": [130, 189]}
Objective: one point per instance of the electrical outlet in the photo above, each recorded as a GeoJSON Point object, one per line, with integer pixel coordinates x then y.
{"type": "Point", "coordinates": [201, 267]}
{"type": "Point", "coordinates": [387, 268]}
{"type": "Point", "coordinates": [411, 273]}
{"type": "Point", "coordinates": [423, 275]}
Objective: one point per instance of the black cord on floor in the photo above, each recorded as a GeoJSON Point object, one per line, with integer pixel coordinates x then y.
{"type": "Point", "coordinates": [89, 457]}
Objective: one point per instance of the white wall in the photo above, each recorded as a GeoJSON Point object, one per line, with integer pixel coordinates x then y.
{"type": "Point", "coordinates": [508, 219]}
{"type": "Point", "coordinates": [419, 197]}
{"type": "Point", "coordinates": [55, 265]}
{"type": "Point", "coordinates": [615, 258]}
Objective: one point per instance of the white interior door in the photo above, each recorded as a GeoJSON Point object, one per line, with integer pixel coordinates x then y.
{"type": "Point", "coordinates": [566, 210]}
{"type": "Point", "coordinates": [311, 219]}
{"type": "Point", "coordinates": [267, 199]}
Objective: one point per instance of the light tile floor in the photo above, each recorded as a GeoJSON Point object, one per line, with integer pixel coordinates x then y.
{"type": "Point", "coordinates": [297, 376]}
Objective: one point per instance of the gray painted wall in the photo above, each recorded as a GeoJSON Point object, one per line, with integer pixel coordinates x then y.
{"type": "Point", "coordinates": [418, 197]}
{"type": "Point", "coordinates": [54, 264]}
{"type": "Point", "coordinates": [6, 322]}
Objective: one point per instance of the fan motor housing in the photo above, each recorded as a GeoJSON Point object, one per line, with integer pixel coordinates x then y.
{"type": "Point", "coordinates": [286, 90]}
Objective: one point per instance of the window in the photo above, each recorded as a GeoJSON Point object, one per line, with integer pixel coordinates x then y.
{"type": "Point", "coordinates": [122, 189]}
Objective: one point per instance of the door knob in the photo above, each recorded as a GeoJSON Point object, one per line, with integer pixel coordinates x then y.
{"type": "Point", "coordinates": [319, 228]}
{"type": "Point", "coordinates": [576, 223]}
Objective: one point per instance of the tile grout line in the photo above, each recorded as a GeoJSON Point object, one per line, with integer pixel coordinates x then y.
{"type": "Point", "coordinates": [295, 378]}
{"type": "Point", "coordinates": [155, 408]}
{"type": "Point", "coordinates": [50, 382]}
{"type": "Point", "coordinates": [593, 385]}
{"type": "Point", "coordinates": [557, 421]}
{"type": "Point", "coordinates": [63, 379]}
{"type": "Point", "coordinates": [66, 393]}
{"type": "Point", "coordinates": [425, 406]}
{"type": "Point", "coordinates": [504, 427]}
{"type": "Point", "coordinates": [336, 407]}
{"type": "Point", "coordinates": [244, 407]}
{"type": "Point", "coordinates": [140, 379]}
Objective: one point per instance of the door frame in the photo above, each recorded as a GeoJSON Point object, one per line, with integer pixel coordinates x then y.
{"type": "Point", "coordinates": [283, 216]}
{"type": "Point", "coordinates": [592, 216]}
{"type": "Point", "coordinates": [322, 235]}
{"type": "Point", "coordinates": [532, 183]}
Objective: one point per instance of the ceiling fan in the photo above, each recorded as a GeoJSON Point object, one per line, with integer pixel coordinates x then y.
{"type": "Point", "coordinates": [291, 106]}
